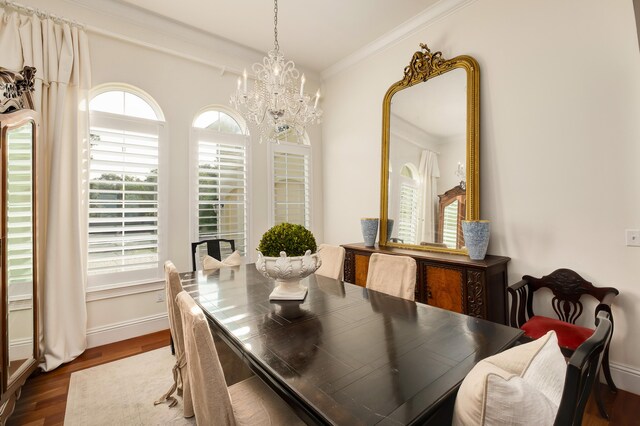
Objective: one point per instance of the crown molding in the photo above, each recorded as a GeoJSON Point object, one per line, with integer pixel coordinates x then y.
{"type": "Point", "coordinates": [157, 23]}
{"type": "Point", "coordinates": [425, 18]}
{"type": "Point", "coordinates": [138, 20]}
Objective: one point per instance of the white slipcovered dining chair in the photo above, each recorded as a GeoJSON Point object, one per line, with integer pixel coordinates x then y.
{"type": "Point", "coordinates": [394, 275]}
{"type": "Point", "coordinates": [332, 258]}
{"type": "Point", "coordinates": [173, 286]}
{"type": "Point", "coordinates": [249, 402]}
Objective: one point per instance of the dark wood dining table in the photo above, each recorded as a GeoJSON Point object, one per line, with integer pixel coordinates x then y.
{"type": "Point", "coordinates": [347, 355]}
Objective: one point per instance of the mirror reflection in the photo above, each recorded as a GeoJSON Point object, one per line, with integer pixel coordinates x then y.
{"type": "Point", "coordinates": [19, 247]}
{"type": "Point", "coordinates": [427, 161]}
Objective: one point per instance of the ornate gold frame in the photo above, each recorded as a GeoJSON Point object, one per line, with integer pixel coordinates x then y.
{"type": "Point", "coordinates": [424, 66]}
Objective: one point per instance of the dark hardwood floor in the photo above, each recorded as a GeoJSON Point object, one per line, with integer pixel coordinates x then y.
{"type": "Point", "coordinates": [44, 396]}
{"type": "Point", "coordinates": [623, 408]}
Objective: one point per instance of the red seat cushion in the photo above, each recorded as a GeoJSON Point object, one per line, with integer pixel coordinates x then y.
{"type": "Point", "coordinates": [569, 335]}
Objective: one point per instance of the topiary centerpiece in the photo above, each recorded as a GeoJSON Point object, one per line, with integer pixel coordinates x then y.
{"type": "Point", "coordinates": [287, 255]}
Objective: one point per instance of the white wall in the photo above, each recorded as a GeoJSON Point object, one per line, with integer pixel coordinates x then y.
{"type": "Point", "coordinates": [451, 152]}
{"type": "Point", "coordinates": [182, 85]}
{"type": "Point", "coordinates": [560, 141]}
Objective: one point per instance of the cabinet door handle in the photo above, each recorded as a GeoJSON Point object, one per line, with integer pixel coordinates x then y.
{"type": "Point", "coordinates": [429, 296]}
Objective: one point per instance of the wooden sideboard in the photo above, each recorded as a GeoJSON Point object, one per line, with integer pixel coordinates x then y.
{"type": "Point", "coordinates": [453, 282]}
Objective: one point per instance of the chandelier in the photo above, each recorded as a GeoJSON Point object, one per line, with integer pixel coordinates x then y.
{"type": "Point", "coordinates": [277, 104]}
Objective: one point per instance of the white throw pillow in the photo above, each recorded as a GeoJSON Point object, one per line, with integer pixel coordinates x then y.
{"type": "Point", "coordinates": [234, 259]}
{"type": "Point", "coordinates": [520, 386]}
{"type": "Point", "coordinates": [547, 370]}
{"type": "Point", "coordinates": [516, 402]}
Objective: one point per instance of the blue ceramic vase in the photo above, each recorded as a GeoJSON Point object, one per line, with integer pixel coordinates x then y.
{"type": "Point", "coordinates": [476, 237]}
{"type": "Point", "coordinates": [369, 231]}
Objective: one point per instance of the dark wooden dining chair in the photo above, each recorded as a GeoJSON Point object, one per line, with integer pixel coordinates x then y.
{"type": "Point", "coordinates": [567, 288]}
{"type": "Point", "coordinates": [582, 373]}
{"type": "Point", "coordinates": [213, 249]}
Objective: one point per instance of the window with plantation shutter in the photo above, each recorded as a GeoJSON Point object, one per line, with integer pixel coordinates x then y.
{"type": "Point", "coordinates": [220, 187]}
{"type": "Point", "coordinates": [408, 214]}
{"type": "Point", "coordinates": [125, 231]}
{"type": "Point", "coordinates": [291, 184]}
{"type": "Point", "coordinates": [450, 225]}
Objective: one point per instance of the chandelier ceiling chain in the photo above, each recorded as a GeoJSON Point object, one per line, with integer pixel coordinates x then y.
{"type": "Point", "coordinates": [276, 46]}
{"type": "Point", "coordinates": [275, 105]}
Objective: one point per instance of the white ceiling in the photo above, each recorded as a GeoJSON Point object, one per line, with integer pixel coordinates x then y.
{"type": "Point", "coordinates": [314, 33]}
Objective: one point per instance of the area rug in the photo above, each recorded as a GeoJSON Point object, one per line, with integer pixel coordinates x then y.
{"type": "Point", "coordinates": [122, 393]}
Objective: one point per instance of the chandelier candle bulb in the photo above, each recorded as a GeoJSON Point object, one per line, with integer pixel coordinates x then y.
{"type": "Point", "coordinates": [317, 99]}
{"type": "Point", "coordinates": [244, 81]}
{"type": "Point", "coordinates": [302, 80]}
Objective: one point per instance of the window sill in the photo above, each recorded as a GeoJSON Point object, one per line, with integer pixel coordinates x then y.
{"type": "Point", "coordinates": [122, 289]}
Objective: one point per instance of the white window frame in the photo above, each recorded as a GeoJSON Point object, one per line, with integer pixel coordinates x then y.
{"type": "Point", "coordinates": [104, 119]}
{"type": "Point", "coordinates": [199, 134]}
{"type": "Point", "coordinates": [289, 148]}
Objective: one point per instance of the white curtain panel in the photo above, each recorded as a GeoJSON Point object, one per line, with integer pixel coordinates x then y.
{"type": "Point", "coordinates": [60, 54]}
{"type": "Point", "coordinates": [428, 211]}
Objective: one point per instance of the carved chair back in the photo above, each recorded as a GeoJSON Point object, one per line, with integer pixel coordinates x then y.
{"type": "Point", "coordinates": [582, 371]}
{"type": "Point", "coordinates": [567, 288]}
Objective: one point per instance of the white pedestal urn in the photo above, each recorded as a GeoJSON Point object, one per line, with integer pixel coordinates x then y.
{"type": "Point", "coordinates": [287, 272]}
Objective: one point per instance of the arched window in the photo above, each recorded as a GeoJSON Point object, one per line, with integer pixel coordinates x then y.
{"type": "Point", "coordinates": [125, 100]}
{"type": "Point", "coordinates": [219, 121]}
{"type": "Point", "coordinates": [408, 215]}
{"type": "Point", "coordinates": [125, 182]}
{"type": "Point", "coordinates": [220, 181]}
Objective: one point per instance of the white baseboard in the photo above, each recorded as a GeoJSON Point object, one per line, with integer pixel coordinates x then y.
{"type": "Point", "coordinates": [111, 333]}
{"type": "Point", "coordinates": [21, 348]}
{"type": "Point", "coordinates": [625, 377]}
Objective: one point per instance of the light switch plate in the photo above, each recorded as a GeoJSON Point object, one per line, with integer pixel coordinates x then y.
{"type": "Point", "coordinates": [633, 237]}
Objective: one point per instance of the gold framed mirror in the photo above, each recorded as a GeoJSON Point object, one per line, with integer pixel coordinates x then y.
{"type": "Point", "coordinates": [430, 150]}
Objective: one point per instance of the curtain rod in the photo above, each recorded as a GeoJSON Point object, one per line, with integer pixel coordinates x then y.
{"type": "Point", "coordinates": [40, 13]}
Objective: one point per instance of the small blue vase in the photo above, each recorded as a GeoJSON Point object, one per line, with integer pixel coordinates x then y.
{"type": "Point", "coordinates": [476, 237]}
{"type": "Point", "coordinates": [369, 231]}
